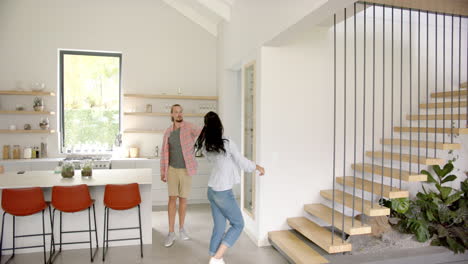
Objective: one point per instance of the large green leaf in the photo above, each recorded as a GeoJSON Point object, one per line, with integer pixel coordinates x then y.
{"type": "Point", "coordinates": [420, 229]}
{"type": "Point", "coordinates": [448, 179]}
{"type": "Point", "coordinates": [442, 172]}
{"type": "Point", "coordinates": [455, 246]}
{"type": "Point", "coordinates": [453, 198]}
{"type": "Point", "coordinates": [464, 186]}
{"type": "Point", "coordinates": [430, 216]}
{"type": "Point", "coordinates": [430, 178]}
{"type": "Point", "coordinates": [401, 205]}
{"type": "Point", "coordinates": [461, 233]}
{"type": "Point", "coordinates": [445, 192]}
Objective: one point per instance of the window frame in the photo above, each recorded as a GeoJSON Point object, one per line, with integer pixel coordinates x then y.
{"type": "Point", "coordinates": [62, 53]}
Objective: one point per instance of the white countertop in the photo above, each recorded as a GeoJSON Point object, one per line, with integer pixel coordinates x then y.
{"type": "Point", "coordinates": [47, 179]}
{"type": "Point", "coordinates": [61, 159]}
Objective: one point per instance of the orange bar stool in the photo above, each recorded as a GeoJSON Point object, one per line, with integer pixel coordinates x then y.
{"type": "Point", "coordinates": [24, 202]}
{"type": "Point", "coordinates": [73, 199]}
{"type": "Point", "coordinates": [121, 197]}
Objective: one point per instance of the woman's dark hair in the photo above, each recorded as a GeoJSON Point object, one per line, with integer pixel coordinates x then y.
{"type": "Point", "coordinates": [211, 136]}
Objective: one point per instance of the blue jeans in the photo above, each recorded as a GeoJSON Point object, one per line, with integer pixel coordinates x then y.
{"type": "Point", "coordinates": [224, 207]}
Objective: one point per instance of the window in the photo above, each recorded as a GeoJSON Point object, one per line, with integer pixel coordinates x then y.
{"type": "Point", "coordinates": [90, 100]}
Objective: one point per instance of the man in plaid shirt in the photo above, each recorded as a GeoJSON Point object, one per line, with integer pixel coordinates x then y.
{"type": "Point", "coordinates": [178, 165]}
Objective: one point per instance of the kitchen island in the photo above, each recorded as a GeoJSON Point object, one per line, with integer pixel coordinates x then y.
{"type": "Point", "coordinates": [77, 221]}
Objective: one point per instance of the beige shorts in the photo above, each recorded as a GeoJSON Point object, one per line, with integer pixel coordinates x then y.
{"type": "Point", "coordinates": [179, 183]}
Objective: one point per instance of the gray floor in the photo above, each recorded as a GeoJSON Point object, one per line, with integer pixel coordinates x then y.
{"type": "Point", "coordinates": [199, 224]}
{"type": "Point", "coordinates": [195, 251]}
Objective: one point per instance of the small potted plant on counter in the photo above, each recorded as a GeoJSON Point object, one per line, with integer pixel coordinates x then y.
{"type": "Point", "coordinates": [87, 169]}
{"type": "Point", "coordinates": [38, 104]}
{"type": "Point", "coordinates": [68, 170]}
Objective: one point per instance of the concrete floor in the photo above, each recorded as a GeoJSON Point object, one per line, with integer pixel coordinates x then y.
{"type": "Point", "coordinates": [195, 251]}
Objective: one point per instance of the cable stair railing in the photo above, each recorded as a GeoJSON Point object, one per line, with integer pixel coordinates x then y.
{"type": "Point", "coordinates": [420, 64]}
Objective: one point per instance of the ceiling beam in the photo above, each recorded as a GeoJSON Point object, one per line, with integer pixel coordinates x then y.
{"type": "Point", "coordinates": [219, 7]}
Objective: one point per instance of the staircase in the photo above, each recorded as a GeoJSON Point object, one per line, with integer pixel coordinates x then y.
{"type": "Point", "coordinates": [298, 251]}
{"type": "Point", "coordinates": [329, 237]}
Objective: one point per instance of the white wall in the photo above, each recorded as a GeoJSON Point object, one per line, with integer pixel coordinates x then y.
{"type": "Point", "coordinates": [162, 51]}
{"type": "Point", "coordinates": [295, 108]}
{"type": "Point", "coordinates": [297, 115]}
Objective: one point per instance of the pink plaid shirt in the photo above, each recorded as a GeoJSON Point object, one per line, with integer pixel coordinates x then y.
{"type": "Point", "coordinates": [188, 135]}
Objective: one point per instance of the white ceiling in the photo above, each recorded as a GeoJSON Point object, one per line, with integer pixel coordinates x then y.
{"type": "Point", "coordinates": [206, 13]}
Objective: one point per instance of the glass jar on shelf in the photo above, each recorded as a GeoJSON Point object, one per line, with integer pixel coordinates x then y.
{"type": "Point", "coordinates": [16, 152]}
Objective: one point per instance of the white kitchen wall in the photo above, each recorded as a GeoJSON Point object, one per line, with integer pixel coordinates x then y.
{"type": "Point", "coordinates": [162, 51]}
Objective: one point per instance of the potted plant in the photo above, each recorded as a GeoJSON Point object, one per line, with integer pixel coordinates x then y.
{"type": "Point", "coordinates": [68, 170]}
{"type": "Point", "coordinates": [44, 124]}
{"type": "Point", "coordinates": [38, 104]}
{"type": "Point", "coordinates": [87, 169]}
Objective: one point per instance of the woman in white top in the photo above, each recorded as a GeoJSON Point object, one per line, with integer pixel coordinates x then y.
{"type": "Point", "coordinates": [224, 155]}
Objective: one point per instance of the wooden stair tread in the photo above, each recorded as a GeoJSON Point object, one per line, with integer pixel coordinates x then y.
{"type": "Point", "coordinates": [295, 248]}
{"type": "Point", "coordinates": [438, 117]}
{"type": "Point", "coordinates": [460, 131]}
{"type": "Point", "coordinates": [375, 210]}
{"type": "Point", "coordinates": [389, 172]}
{"type": "Point", "coordinates": [387, 190]}
{"type": "Point", "coordinates": [319, 235]}
{"type": "Point", "coordinates": [446, 94]}
{"type": "Point", "coordinates": [406, 158]}
{"type": "Point", "coordinates": [422, 144]}
{"type": "Point", "coordinates": [455, 104]}
{"type": "Point", "coordinates": [325, 213]}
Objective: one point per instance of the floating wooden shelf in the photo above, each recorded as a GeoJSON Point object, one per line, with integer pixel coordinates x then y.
{"type": "Point", "coordinates": [459, 131]}
{"type": "Point", "coordinates": [326, 214]}
{"type": "Point", "coordinates": [295, 248]}
{"type": "Point", "coordinates": [375, 188]}
{"type": "Point", "coordinates": [141, 131]}
{"type": "Point", "coordinates": [160, 114]}
{"type": "Point", "coordinates": [11, 92]}
{"type": "Point", "coordinates": [449, 104]}
{"type": "Point", "coordinates": [369, 208]}
{"type": "Point", "coordinates": [389, 172]}
{"type": "Point", "coordinates": [319, 235]}
{"type": "Point", "coordinates": [165, 96]}
{"type": "Point", "coordinates": [406, 158]}
{"type": "Point", "coordinates": [32, 131]}
{"type": "Point", "coordinates": [420, 144]}
{"type": "Point", "coordinates": [27, 113]}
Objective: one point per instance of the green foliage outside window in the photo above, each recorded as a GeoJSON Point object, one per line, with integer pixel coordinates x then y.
{"type": "Point", "coordinates": [91, 100]}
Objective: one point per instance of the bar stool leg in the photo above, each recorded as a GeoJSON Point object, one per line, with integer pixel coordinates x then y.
{"type": "Point", "coordinates": [141, 236]}
{"type": "Point", "coordinates": [43, 237]}
{"type": "Point", "coordinates": [1, 236]}
{"type": "Point", "coordinates": [95, 227]}
{"type": "Point", "coordinates": [90, 238]}
{"type": "Point", "coordinates": [60, 249]}
{"type": "Point", "coordinates": [52, 240]}
{"type": "Point", "coordinates": [14, 237]}
{"type": "Point", "coordinates": [104, 237]}
{"type": "Point", "coordinates": [107, 230]}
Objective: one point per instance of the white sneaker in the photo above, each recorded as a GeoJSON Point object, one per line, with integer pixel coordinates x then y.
{"type": "Point", "coordinates": [216, 261]}
{"type": "Point", "coordinates": [171, 237]}
{"type": "Point", "coordinates": [183, 234]}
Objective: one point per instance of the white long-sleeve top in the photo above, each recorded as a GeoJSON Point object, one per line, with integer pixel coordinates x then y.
{"type": "Point", "coordinates": [225, 172]}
